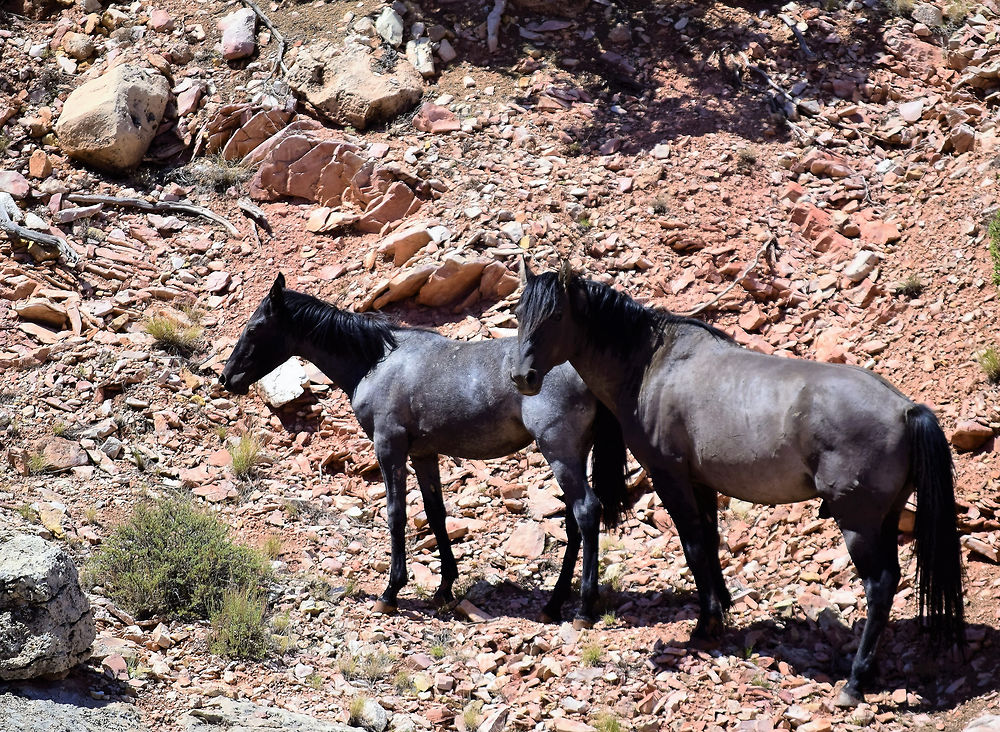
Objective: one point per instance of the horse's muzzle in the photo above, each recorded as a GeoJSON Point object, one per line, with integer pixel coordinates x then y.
{"type": "Point", "coordinates": [528, 383]}
{"type": "Point", "coordinates": [234, 385]}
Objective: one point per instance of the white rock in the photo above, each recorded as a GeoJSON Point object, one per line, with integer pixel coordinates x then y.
{"type": "Point", "coordinates": [390, 27]}
{"type": "Point", "coordinates": [862, 265]}
{"type": "Point", "coordinates": [284, 384]}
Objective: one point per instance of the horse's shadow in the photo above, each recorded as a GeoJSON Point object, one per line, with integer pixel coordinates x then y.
{"type": "Point", "coordinates": [820, 650]}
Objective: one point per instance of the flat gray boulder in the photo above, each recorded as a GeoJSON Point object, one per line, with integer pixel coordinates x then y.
{"type": "Point", "coordinates": [350, 86]}
{"type": "Point", "coordinates": [221, 713]}
{"type": "Point", "coordinates": [109, 122]}
{"type": "Point", "coordinates": [62, 710]}
{"type": "Point", "coordinates": [46, 625]}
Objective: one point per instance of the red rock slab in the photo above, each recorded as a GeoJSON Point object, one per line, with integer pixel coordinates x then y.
{"type": "Point", "coordinates": [258, 129]}
{"type": "Point", "coordinates": [391, 207]}
{"type": "Point", "coordinates": [271, 181]}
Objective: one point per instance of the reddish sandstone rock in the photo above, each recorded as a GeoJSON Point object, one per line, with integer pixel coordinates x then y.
{"type": "Point", "coordinates": [436, 119]}
{"type": "Point", "coordinates": [970, 435]}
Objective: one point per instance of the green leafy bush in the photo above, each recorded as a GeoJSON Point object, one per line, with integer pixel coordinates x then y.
{"type": "Point", "coordinates": [170, 558]}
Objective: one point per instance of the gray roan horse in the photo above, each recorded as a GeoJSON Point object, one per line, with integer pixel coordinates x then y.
{"type": "Point", "coordinates": [704, 415]}
{"type": "Point", "coordinates": [420, 394]}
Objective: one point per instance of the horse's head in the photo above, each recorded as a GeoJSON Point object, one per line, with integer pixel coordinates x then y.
{"type": "Point", "coordinates": [264, 344]}
{"type": "Point", "coordinates": [544, 330]}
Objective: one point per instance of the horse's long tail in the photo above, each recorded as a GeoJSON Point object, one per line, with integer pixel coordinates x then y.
{"type": "Point", "coordinates": [609, 468]}
{"type": "Point", "coordinates": [939, 557]}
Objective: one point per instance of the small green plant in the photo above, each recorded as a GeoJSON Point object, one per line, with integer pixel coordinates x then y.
{"type": "Point", "coordinates": [911, 286]}
{"type": "Point", "coordinates": [273, 546]}
{"type": "Point", "coordinates": [472, 715]}
{"type": "Point", "coordinates": [899, 7]}
{"type": "Point", "coordinates": [173, 335]}
{"type": "Point", "coordinates": [28, 513]}
{"type": "Point", "coordinates": [4, 144]}
{"type": "Point", "coordinates": [315, 681]}
{"type": "Point", "coordinates": [661, 205]}
{"type": "Point", "coordinates": [220, 432]}
{"type": "Point", "coordinates": [584, 222]}
{"type": "Point", "coordinates": [592, 655]}
{"type": "Point", "coordinates": [609, 618]}
{"type": "Point", "coordinates": [607, 722]}
{"type": "Point", "coordinates": [761, 681]}
{"type": "Point", "coordinates": [367, 666]}
{"type": "Point", "coordinates": [90, 516]}
{"type": "Point", "coordinates": [989, 361]}
{"type": "Point", "coordinates": [141, 461]}
{"type": "Point", "coordinates": [216, 173]}
{"type": "Point", "coordinates": [60, 428]}
{"type": "Point", "coordinates": [238, 628]}
{"type": "Point", "coordinates": [746, 160]}
{"type": "Point", "coordinates": [246, 455]}
{"type": "Point", "coordinates": [956, 12]}
{"type": "Point", "coordinates": [994, 247]}
{"type": "Point", "coordinates": [357, 710]}
{"type": "Point", "coordinates": [38, 463]}
{"type": "Point", "coordinates": [170, 558]}
{"type": "Point", "coordinates": [403, 682]}
{"type": "Point", "coordinates": [281, 622]}
{"type": "Point", "coordinates": [438, 651]}
{"type": "Point", "coordinates": [574, 149]}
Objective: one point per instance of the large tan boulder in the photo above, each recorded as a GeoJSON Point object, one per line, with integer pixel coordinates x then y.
{"type": "Point", "coordinates": [351, 86]}
{"type": "Point", "coordinates": [109, 122]}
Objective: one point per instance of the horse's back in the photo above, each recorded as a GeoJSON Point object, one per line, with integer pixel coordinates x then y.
{"type": "Point", "coordinates": [456, 397]}
{"type": "Point", "coordinates": [763, 428]}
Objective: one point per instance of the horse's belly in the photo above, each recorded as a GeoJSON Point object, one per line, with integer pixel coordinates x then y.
{"type": "Point", "coordinates": [759, 482]}
{"type": "Point", "coordinates": [472, 442]}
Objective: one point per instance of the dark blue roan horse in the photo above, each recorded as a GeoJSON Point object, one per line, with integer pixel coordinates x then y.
{"type": "Point", "coordinates": [704, 415]}
{"type": "Point", "coordinates": [420, 394]}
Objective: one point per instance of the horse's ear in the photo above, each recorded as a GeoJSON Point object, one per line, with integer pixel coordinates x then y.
{"type": "Point", "coordinates": [526, 274]}
{"type": "Point", "coordinates": [566, 273]}
{"type": "Point", "coordinates": [277, 293]}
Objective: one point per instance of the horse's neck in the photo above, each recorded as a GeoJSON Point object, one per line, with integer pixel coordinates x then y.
{"type": "Point", "coordinates": [341, 364]}
{"type": "Point", "coordinates": [611, 376]}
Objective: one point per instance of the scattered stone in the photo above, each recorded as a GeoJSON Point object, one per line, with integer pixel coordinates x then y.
{"type": "Point", "coordinates": [527, 541]}
{"type": "Point", "coordinates": [390, 26]}
{"type": "Point", "coordinates": [223, 713]}
{"type": "Point", "coordinates": [436, 119]}
{"type": "Point", "coordinates": [78, 45]}
{"type": "Point", "coordinates": [14, 183]}
{"type": "Point", "coordinates": [970, 435]}
{"type": "Point", "coordinates": [239, 34]}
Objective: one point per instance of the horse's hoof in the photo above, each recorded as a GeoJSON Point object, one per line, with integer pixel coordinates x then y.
{"type": "Point", "coordinates": [442, 599]}
{"type": "Point", "coordinates": [549, 618]}
{"type": "Point", "coordinates": [582, 624]}
{"type": "Point", "coordinates": [848, 699]}
{"type": "Point", "coordinates": [383, 608]}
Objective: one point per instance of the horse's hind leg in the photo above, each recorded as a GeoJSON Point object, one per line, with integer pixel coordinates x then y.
{"type": "Point", "coordinates": [700, 542]}
{"type": "Point", "coordinates": [391, 453]}
{"type": "Point", "coordinates": [429, 478]}
{"type": "Point", "coordinates": [875, 556]}
{"type": "Point", "coordinates": [708, 506]}
{"type": "Point", "coordinates": [552, 612]}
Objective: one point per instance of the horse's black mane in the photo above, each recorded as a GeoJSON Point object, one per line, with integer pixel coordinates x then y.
{"type": "Point", "coordinates": [367, 337]}
{"type": "Point", "coordinates": [617, 321]}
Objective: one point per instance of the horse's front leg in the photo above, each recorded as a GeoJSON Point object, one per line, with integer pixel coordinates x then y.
{"type": "Point", "coordinates": [391, 453]}
{"type": "Point", "coordinates": [583, 517]}
{"type": "Point", "coordinates": [700, 550]}
{"type": "Point", "coordinates": [429, 478]}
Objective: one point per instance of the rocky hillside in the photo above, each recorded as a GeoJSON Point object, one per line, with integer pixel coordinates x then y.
{"type": "Point", "coordinates": [818, 180]}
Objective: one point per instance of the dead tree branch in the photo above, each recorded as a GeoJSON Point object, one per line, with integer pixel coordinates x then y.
{"type": "Point", "coordinates": [731, 285]}
{"type": "Point", "coordinates": [156, 206]}
{"type": "Point", "coordinates": [48, 240]}
{"type": "Point", "coordinates": [279, 62]}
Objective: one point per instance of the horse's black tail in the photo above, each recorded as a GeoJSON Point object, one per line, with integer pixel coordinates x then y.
{"type": "Point", "coordinates": [609, 468]}
{"type": "Point", "coordinates": [939, 554]}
